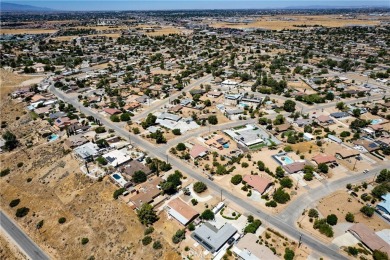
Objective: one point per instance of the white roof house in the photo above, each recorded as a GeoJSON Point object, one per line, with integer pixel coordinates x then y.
{"type": "Point", "coordinates": [117, 157]}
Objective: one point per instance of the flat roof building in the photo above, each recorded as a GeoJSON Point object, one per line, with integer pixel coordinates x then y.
{"type": "Point", "coordinates": [212, 238]}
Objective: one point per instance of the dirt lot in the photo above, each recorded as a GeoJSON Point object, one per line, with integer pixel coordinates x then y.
{"type": "Point", "coordinates": [340, 203]}
{"type": "Point", "coordinates": [290, 22]}
{"type": "Point", "coordinates": [164, 30]}
{"type": "Point", "coordinates": [9, 81]}
{"type": "Point", "coordinates": [50, 184]}
{"type": "Point", "coordinates": [27, 31]}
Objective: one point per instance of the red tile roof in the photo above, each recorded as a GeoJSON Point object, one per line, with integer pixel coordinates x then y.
{"type": "Point", "coordinates": [324, 158]}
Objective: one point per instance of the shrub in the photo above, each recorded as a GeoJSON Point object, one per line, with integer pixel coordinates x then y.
{"type": "Point", "coordinates": [62, 220]}
{"type": "Point", "coordinates": [14, 203]}
{"type": "Point", "coordinates": [252, 227]}
{"type": "Point", "coordinates": [84, 240]}
{"type": "Point", "coordinates": [353, 251]}
{"type": "Point", "coordinates": [148, 231]}
{"type": "Point", "coordinates": [179, 236]}
{"type": "Point", "coordinates": [20, 164]}
{"type": "Point", "coordinates": [139, 177]}
{"type": "Point", "coordinates": [194, 202]}
{"type": "Point", "coordinates": [250, 219]}
{"type": "Point", "coordinates": [118, 192]}
{"type": "Point", "coordinates": [379, 255]}
{"type": "Point", "coordinates": [313, 213]}
{"type": "Point", "coordinates": [199, 187]}
{"type": "Point", "coordinates": [180, 147]}
{"type": "Point", "coordinates": [350, 217]}
{"type": "Point", "coordinates": [367, 210]}
{"type": "Point", "coordinates": [323, 168]}
{"type": "Point", "coordinates": [288, 254]}
{"type": "Point", "coordinates": [21, 212]}
{"type": "Point", "coordinates": [157, 245]}
{"type": "Point", "coordinates": [5, 172]}
{"type": "Point", "coordinates": [244, 165]}
{"type": "Point", "coordinates": [271, 204]}
{"type": "Point", "coordinates": [236, 179]}
{"type": "Point", "coordinates": [331, 219]}
{"type": "Point", "coordinates": [146, 240]}
{"type": "Point", "coordinates": [40, 224]}
{"type": "Point", "coordinates": [323, 227]}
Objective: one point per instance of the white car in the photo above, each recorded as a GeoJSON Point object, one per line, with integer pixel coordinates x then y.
{"type": "Point", "coordinates": [365, 171]}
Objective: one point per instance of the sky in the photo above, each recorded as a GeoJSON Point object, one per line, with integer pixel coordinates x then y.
{"type": "Point", "coordinates": [96, 5]}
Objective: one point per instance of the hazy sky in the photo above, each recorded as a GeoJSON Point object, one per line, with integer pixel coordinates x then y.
{"type": "Point", "coordinates": [93, 5]}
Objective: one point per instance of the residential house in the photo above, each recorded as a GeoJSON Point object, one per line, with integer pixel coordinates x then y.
{"type": "Point", "coordinates": [343, 153]}
{"type": "Point", "coordinates": [62, 122]}
{"type": "Point", "coordinates": [294, 167]}
{"type": "Point", "coordinates": [148, 191]}
{"type": "Point", "coordinates": [74, 141]}
{"type": "Point", "coordinates": [324, 158]}
{"type": "Point", "coordinates": [247, 248]}
{"type": "Point", "coordinates": [366, 145]}
{"type": "Point", "coordinates": [117, 157]}
{"type": "Point", "coordinates": [302, 122]}
{"type": "Point", "coordinates": [87, 151]}
{"type": "Point", "coordinates": [181, 211]}
{"type": "Point", "coordinates": [324, 120]}
{"type": "Point", "coordinates": [217, 141]}
{"type": "Point", "coordinates": [198, 151]}
{"type": "Point", "coordinates": [211, 238]}
{"type": "Point", "coordinates": [133, 166]}
{"type": "Point", "coordinates": [339, 115]}
{"type": "Point", "coordinates": [384, 205]}
{"type": "Point", "coordinates": [214, 94]}
{"type": "Point", "coordinates": [111, 111]}
{"type": "Point", "coordinates": [368, 238]}
{"type": "Point", "coordinates": [258, 183]}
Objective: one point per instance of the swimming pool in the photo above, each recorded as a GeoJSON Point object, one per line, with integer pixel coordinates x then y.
{"type": "Point", "coordinates": [226, 145]}
{"type": "Point", "coordinates": [52, 137]}
{"type": "Point", "coordinates": [283, 159]}
{"type": "Point", "coordinates": [116, 176]}
{"type": "Point", "coordinates": [376, 121]}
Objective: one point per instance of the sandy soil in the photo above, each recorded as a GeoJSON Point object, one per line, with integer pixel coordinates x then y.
{"type": "Point", "coordinates": [290, 22]}
{"type": "Point", "coordinates": [9, 81]}
{"type": "Point", "coordinates": [339, 204]}
{"type": "Point", "coordinates": [27, 31]}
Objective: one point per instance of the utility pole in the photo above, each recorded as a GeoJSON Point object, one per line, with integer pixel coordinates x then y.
{"type": "Point", "coordinates": [221, 195]}
{"type": "Point", "coordinates": [354, 164]}
{"type": "Point", "coordinates": [300, 240]}
{"type": "Point", "coordinates": [167, 158]}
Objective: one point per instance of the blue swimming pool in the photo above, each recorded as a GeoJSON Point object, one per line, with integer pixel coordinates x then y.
{"type": "Point", "coordinates": [376, 121]}
{"type": "Point", "coordinates": [116, 176]}
{"type": "Point", "coordinates": [52, 137]}
{"type": "Point", "coordinates": [283, 159]}
{"type": "Point", "coordinates": [226, 145]}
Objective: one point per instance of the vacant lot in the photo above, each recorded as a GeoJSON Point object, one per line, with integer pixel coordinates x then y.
{"type": "Point", "coordinates": [27, 31]}
{"type": "Point", "coordinates": [8, 250]}
{"type": "Point", "coordinates": [9, 81]}
{"type": "Point", "coordinates": [291, 22]}
{"type": "Point", "coordinates": [49, 183]}
{"type": "Point", "coordinates": [340, 203]}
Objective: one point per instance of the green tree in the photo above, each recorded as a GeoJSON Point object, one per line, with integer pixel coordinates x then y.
{"type": "Point", "coordinates": [212, 120]}
{"type": "Point", "coordinates": [323, 168]}
{"type": "Point", "coordinates": [149, 121]}
{"type": "Point", "coordinates": [199, 187]}
{"type": "Point", "coordinates": [379, 255]}
{"type": "Point", "coordinates": [331, 219]}
{"type": "Point", "coordinates": [10, 141]}
{"type": "Point", "coordinates": [125, 117]}
{"type": "Point", "coordinates": [14, 203]}
{"type": "Point", "coordinates": [280, 196]}
{"type": "Point", "coordinates": [84, 241]}
{"type": "Point", "coordinates": [236, 179]}
{"type": "Point", "coordinates": [139, 177]}
{"type": "Point", "coordinates": [252, 227]}
{"type": "Point", "coordinates": [289, 105]}
{"type": "Point", "coordinates": [176, 131]}
{"type": "Point", "coordinates": [279, 172]}
{"type": "Point", "coordinates": [286, 182]}
{"type": "Point", "coordinates": [368, 211]}
{"type": "Point", "coordinates": [384, 176]}
{"type": "Point", "coordinates": [179, 236]}
{"type": "Point", "coordinates": [180, 147]}
{"type": "Point", "coordinates": [261, 165]}
{"type": "Point", "coordinates": [61, 220]}
{"type": "Point", "coordinates": [114, 118]}
{"type": "Point", "coordinates": [157, 245]}
{"type": "Point", "coordinates": [146, 240]}
{"type": "Point", "coordinates": [146, 214]}
{"type": "Point", "coordinates": [207, 215]}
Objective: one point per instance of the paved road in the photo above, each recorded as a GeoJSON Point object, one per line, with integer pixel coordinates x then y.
{"type": "Point", "coordinates": [162, 153]}
{"type": "Point", "coordinates": [292, 212]}
{"type": "Point", "coordinates": [21, 239]}
{"type": "Point", "coordinates": [154, 106]}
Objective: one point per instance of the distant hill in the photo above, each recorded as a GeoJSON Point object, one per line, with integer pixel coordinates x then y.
{"type": "Point", "coordinates": [10, 7]}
